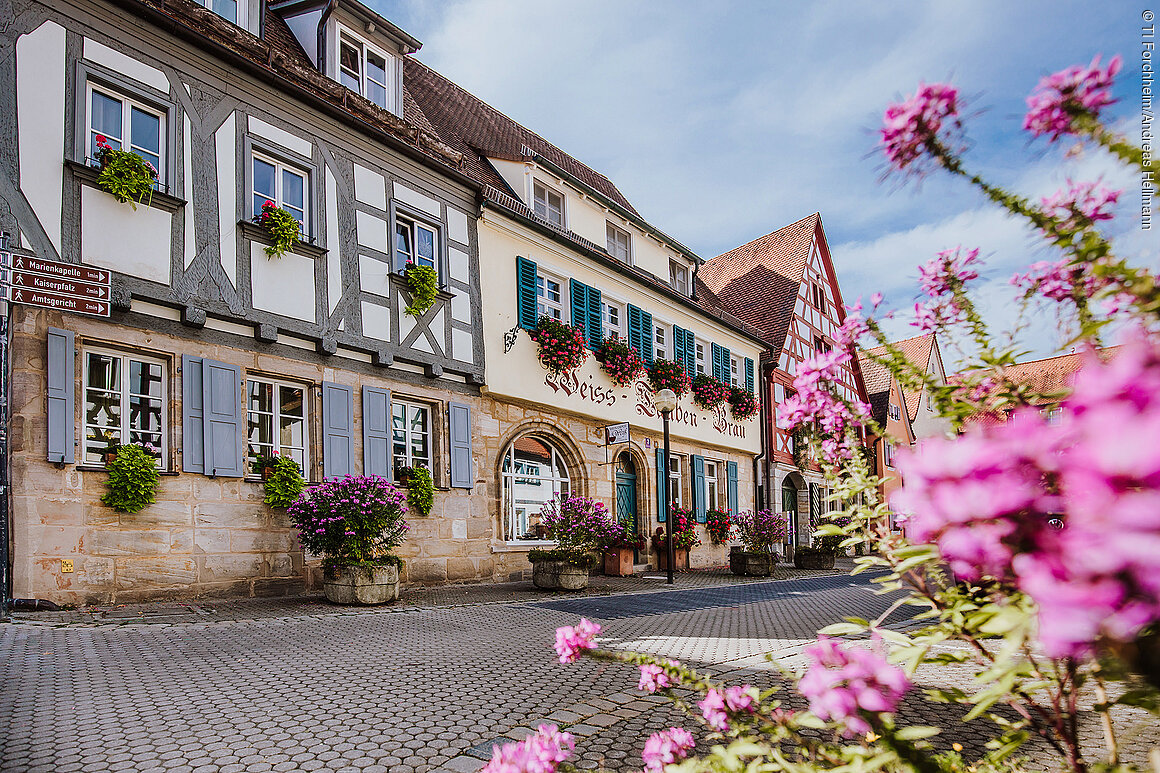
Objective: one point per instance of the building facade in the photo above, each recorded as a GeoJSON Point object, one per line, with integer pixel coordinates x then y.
{"type": "Point", "coordinates": [887, 401]}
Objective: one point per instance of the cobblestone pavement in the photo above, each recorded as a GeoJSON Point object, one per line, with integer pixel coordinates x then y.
{"type": "Point", "coordinates": [409, 690]}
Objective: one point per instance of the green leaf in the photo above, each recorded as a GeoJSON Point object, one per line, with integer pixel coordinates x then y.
{"type": "Point", "coordinates": [842, 629]}
{"type": "Point", "coordinates": [916, 732]}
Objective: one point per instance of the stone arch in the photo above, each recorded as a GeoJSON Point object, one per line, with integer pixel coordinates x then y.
{"type": "Point", "coordinates": [579, 480]}
{"type": "Point", "coordinates": [645, 485]}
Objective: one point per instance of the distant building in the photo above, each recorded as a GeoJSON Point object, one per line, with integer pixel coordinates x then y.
{"type": "Point", "coordinates": [888, 407]}
{"type": "Point", "coordinates": [922, 352]}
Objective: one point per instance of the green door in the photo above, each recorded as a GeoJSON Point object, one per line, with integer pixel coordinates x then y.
{"type": "Point", "coordinates": [789, 504]}
{"type": "Point", "coordinates": [626, 496]}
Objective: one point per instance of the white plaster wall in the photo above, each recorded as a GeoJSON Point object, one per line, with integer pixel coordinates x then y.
{"type": "Point", "coordinates": [418, 200]}
{"type": "Point", "coordinates": [115, 237]}
{"type": "Point", "coordinates": [651, 256]}
{"type": "Point", "coordinates": [460, 268]}
{"type": "Point", "coordinates": [372, 231]}
{"type": "Point", "coordinates": [374, 276]}
{"type": "Point", "coordinates": [370, 187]}
{"type": "Point", "coordinates": [225, 141]}
{"type": "Point", "coordinates": [514, 174]}
{"type": "Point", "coordinates": [457, 225]}
{"type": "Point", "coordinates": [40, 123]}
{"type": "Point", "coordinates": [282, 285]}
{"type": "Point", "coordinates": [461, 346]}
{"type": "Point", "coordinates": [126, 65]}
{"type": "Point", "coordinates": [584, 216]}
{"type": "Point", "coordinates": [187, 164]}
{"type": "Point", "coordinates": [376, 321]}
{"type": "Point", "coordinates": [279, 137]}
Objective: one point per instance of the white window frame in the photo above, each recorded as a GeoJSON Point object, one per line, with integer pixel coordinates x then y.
{"type": "Point", "coordinates": [888, 453]}
{"type": "Point", "coordinates": [543, 303]}
{"type": "Point", "coordinates": [894, 412]}
{"type": "Point", "coordinates": [508, 483]}
{"type": "Point", "coordinates": [662, 338]}
{"type": "Point", "coordinates": [612, 246]}
{"type": "Point", "coordinates": [676, 487]}
{"type": "Point", "coordinates": [241, 5]}
{"type": "Point", "coordinates": [127, 105]}
{"type": "Point", "coordinates": [413, 224]}
{"type": "Point", "coordinates": [712, 482]}
{"type": "Point", "coordinates": [734, 370]}
{"type": "Point", "coordinates": [276, 446]}
{"type": "Point", "coordinates": [537, 186]}
{"type": "Point", "coordinates": [682, 286]}
{"type": "Point", "coordinates": [613, 329]}
{"type": "Point", "coordinates": [280, 167]}
{"type": "Point", "coordinates": [699, 348]}
{"type": "Point", "coordinates": [390, 67]}
{"type": "Point", "coordinates": [123, 394]}
{"type": "Point", "coordinates": [408, 458]}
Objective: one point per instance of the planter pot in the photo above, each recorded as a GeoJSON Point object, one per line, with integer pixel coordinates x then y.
{"type": "Point", "coordinates": [680, 559]}
{"type": "Point", "coordinates": [749, 563]}
{"type": "Point", "coordinates": [809, 559]}
{"type": "Point", "coordinates": [110, 457]}
{"type": "Point", "coordinates": [267, 472]}
{"type": "Point", "coordinates": [362, 585]}
{"type": "Point", "coordinates": [558, 575]}
{"type": "Point", "coordinates": [618, 562]}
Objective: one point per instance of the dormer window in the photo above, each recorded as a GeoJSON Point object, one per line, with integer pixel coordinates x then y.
{"type": "Point", "coordinates": [227, 9]}
{"type": "Point", "coordinates": [367, 70]}
{"type": "Point", "coordinates": [548, 203]}
{"type": "Point", "coordinates": [619, 244]}
{"type": "Point", "coordinates": [679, 277]}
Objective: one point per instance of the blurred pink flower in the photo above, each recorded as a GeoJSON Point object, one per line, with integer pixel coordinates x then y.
{"type": "Point", "coordinates": [1061, 97]}
{"type": "Point", "coordinates": [572, 641]}
{"type": "Point", "coordinates": [909, 127]}
{"type": "Point", "coordinates": [538, 753]}
{"type": "Point", "coordinates": [665, 748]}
{"type": "Point", "coordinates": [842, 685]}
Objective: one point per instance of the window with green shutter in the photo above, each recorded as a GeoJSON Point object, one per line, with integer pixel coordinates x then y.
{"type": "Point", "coordinates": [640, 332]}
{"type": "Point", "coordinates": [749, 385]}
{"type": "Point", "coordinates": [525, 293]}
{"type": "Point", "coordinates": [586, 312]}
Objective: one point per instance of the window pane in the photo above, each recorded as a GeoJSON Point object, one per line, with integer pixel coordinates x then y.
{"type": "Point", "coordinates": [104, 372]}
{"type": "Point", "coordinates": [261, 396]}
{"type": "Point", "coordinates": [290, 400]}
{"type": "Point", "coordinates": [145, 131]}
{"type": "Point", "coordinates": [403, 252]}
{"type": "Point", "coordinates": [399, 417]}
{"type": "Point", "coordinates": [145, 414]}
{"type": "Point", "coordinates": [419, 420]}
{"type": "Point", "coordinates": [425, 246]}
{"type": "Point", "coordinates": [419, 450]}
{"type": "Point", "coordinates": [106, 120]}
{"type": "Point", "coordinates": [292, 432]}
{"type": "Point", "coordinates": [97, 441]}
{"type": "Point", "coordinates": [144, 378]}
{"type": "Point", "coordinates": [299, 458]}
{"type": "Point", "coordinates": [376, 93]}
{"type": "Point", "coordinates": [293, 190]}
{"type": "Point", "coordinates": [350, 66]}
{"type": "Point", "coordinates": [264, 182]}
{"type": "Point", "coordinates": [261, 430]}
{"type": "Point", "coordinates": [150, 441]}
{"type": "Point", "coordinates": [102, 409]}
{"type": "Point", "coordinates": [376, 79]}
{"type": "Point", "coordinates": [226, 8]}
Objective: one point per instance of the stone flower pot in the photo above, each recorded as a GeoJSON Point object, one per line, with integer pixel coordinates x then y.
{"type": "Point", "coordinates": [618, 562]}
{"type": "Point", "coordinates": [809, 558]}
{"type": "Point", "coordinates": [361, 584]}
{"type": "Point", "coordinates": [680, 559]}
{"type": "Point", "coordinates": [750, 563]}
{"type": "Point", "coordinates": [559, 575]}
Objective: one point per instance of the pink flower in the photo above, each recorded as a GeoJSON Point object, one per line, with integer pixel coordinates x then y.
{"type": "Point", "coordinates": [910, 127]}
{"type": "Point", "coordinates": [653, 678]}
{"type": "Point", "coordinates": [743, 698]}
{"type": "Point", "coordinates": [572, 641]}
{"type": "Point", "coordinates": [713, 709]}
{"type": "Point", "coordinates": [844, 685]}
{"type": "Point", "coordinates": [665, 748]}
{"type": "Point", "coordinates": [538, 753]}
{"type": "Point", "coordinates": [1080, 202]}
{"type": "Point", "coordinates": [1063, 96]}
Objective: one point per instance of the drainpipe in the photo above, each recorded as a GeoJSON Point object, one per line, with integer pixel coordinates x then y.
{"type": "Point", "coordinates": [329, 9]}
{"type": "Point", "coordinates": [759, 460]}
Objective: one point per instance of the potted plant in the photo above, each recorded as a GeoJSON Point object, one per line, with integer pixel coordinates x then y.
{"type": "Point", "coordinates": [621, 362]}
{"type": "Point", "coordinates": [424, 282]}
{"type": "Point", "coordinates": [281, 227]}
{"type": "Point", "coordinates": [579, 526]}
{"type": "Point", "coordinates": [761, 533]}
{"type": "Point", "coordinates": [684, 538]}
{"type": "Point", "coordinates": [112, 444]}
{"type": "Point", "coordinates": [420, 488]}
{"type": "Point", "coordinates": [718, 524]}
{"type": "Point", "coordinates": [709, 392]}
{"type": "Point", "coordinates": [124, 175]}
{"type": "Point", "coordinates": [821, 556]}
{"type": "Point", "coordinates": [668, 374]}
{"type": "Point", "coordinates": [282, 480]}
{"type": "Point", "coordinates": [132, 478]}
{"type": "Point", "coordinates": [263, 465]}
{"type": "Point", "coordinates": [619, 548]}
{"type": "Point", "coordinates": [355, 522]}
{"type": "Point", "coordinates": [562, 347]}
{"type": "Point", "coordinates": [743, 403]}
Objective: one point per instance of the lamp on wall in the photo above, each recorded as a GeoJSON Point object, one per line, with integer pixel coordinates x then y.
{"type": "Point", "coordinates": [665, 401]}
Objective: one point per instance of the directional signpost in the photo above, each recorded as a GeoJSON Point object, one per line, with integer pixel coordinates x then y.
{"type": "Point", "coordinates": [54, 285]}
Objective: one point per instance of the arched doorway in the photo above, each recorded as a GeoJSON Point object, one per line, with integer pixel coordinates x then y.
{"type": "Point", "coordinates": [789, 505]}
{"type": "Point", "coordinates": [626, 511]}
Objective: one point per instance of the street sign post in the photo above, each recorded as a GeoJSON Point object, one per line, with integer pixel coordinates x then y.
{"type": "Point", "coordinates": [51, 284]}
{"type": "Point", "coordinates": [73, 303]}
{"type": "Point", "coordinates": [62, 270]}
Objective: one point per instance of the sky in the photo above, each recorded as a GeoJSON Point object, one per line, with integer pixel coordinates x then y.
{"type": "Point", "coordinates": [723, 120]}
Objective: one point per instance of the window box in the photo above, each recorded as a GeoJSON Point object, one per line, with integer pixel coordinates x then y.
{"type": "Point", "coordinates": [306, 244]}
{"type": "Point", "coordinates": [161, 199]}
{"type": "Point", "coordinates": [400, 281]}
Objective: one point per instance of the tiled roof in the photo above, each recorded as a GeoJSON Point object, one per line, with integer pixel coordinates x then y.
{"type": "Point", "coordinates": [917, 351]}
{"type": "Point", "coordinates": [877, 379]}
{"type": "Point", "coordinates": [759, 281]}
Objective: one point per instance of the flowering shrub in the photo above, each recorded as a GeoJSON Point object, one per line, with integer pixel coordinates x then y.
{"type": "Point", "coordinates": [132, 478]}
{"type": "Point", "coordinates": [621, 362]}
{"type": "Point", "coordinates": [578, 524]}
{"type": "Point", "coordinates": [280, 226]}
{"type": "Point", "coordinates": [424, 282]}
{"type": "Point", "coordinates": [562, 347]}
{"type": "Point", "coordinates": [667, 374]}
{"type": "Point", "coordinates": [850, 685]}
{"type": "Point", "coordinates": [622, 535]}
{"type": "Point", "coordinates": [761, 531]}
{"type": "Point", "coordinates": [718, 525]}
{"type": "Point", "coordinates": [684, 530]}
{"type": "Point", "coordinates": [742, 403]}
{"type": "Point", "coordinates": [540, 752]}
{"type": "Point", "coordinates": [354, 520]}
{"type": "Point", "coordinates": [709, 392]}
{"type": "Point", "coordinates": [124, 174]}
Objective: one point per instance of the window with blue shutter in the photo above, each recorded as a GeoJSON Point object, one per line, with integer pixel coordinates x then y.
{"type": "Point", "coordinates": [376, 425]}
{"type": "Point", "coordinates": [662, 511]}
{"type": "Point", "coordinates": [586, 312]}
{"type": "Point", "coordinates": [525, 293]}
{"type": "Point", "coordinates": [337, 430]}
{"type": "Point", "coordinates": [459, 419]}
{"type": "Point", "coordinates": [61, 398]}
{"type": "Point", "coordinates": [749, 385]}
{"type": "Point", "coordinates": [192, 416]}
{"type": "Point", "coordinates": [222, 420]}
{"type": "Point", "coordinates": [731, 487]}
{"type": "Point", "coordinates": [699, 488]}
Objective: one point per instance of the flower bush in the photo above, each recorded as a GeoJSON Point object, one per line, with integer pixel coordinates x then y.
{"type": "Point", "coordinates": [621, 535]}
{"type": "Point", "coordinates": [762, 531]}
{"type": "Point", "coordinates": [356, 520]}
{"type": "Point", "coordinates": [420, 488]}
{"type": "Point", "coordinates": [124, 174]}
{"type": "Point", "coordinates": [280, 226]}
{"type": "Point", "coordinates": [285, 483]}
{"type": "Point", "coordinates": [578, 524]}
{"type": "Point", "coordinates": [718, 524]}
{"type": "Point", "coordinates": [709, 392]}
{"type": "Point", "coordinates": [668, 374]}
{"type": "Point", "coordinates": [562, 346]}
{"type": "Point", "coordinates": [621, 362]}
{"type": "Point", "coordinates": [742, 403]}
{"type": "Point", "coordinates": [132, 479]}
{"type": "Point", "coordinates": [424, 282]}
{"type": "Point", "coordinates": [684, 530]}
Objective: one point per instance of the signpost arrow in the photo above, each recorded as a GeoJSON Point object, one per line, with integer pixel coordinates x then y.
{"type": "Point", "coordinates": [93, 306]}
{"type": "Point", "coordinates": [62, 270]}
{"type": "Point", "coordinates": [65, 286]}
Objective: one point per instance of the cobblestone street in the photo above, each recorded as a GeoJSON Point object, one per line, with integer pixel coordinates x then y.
{"type": "Point", "coordinates": [408, 688]}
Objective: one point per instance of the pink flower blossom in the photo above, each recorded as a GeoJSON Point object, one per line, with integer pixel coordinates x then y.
{"type": "Point", "coordinates": [909, 127]}
{"type": "Point", "coordinates": [1081, 204]}
{"type": "Point", "coordinates": [572, 641]}
{"type": "Point", "coordinates": [743, 698]}
{"type": "Point", "coordinates": [665, 748]}
{"type": "Point", "coordinates": [538, 753]}
{"type": "Point", "coordinates": [653, 678]}
{"type": "Point", "coordinates": [1063, 96]}
{"type": "Point", "coordinates": [713, 709]}
{"type": "Point", "coordinates": [843, 685]}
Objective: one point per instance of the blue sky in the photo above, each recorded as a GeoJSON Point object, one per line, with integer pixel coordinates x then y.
{"type": "Point", "coordinates": [723, 120]}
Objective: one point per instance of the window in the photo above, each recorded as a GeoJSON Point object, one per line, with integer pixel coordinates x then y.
{"type": "Point", "coordinates": [286, 186]}
{"type": "Point", "coordinates": [276, 421]}
{"type": "Point", "coordinates": [733, 371]}
{"type": "Point", "coordinates": [711, 485]}
{"type": "Point", "coordinates": [125, 402]}
{"type": "Point", "coordinates": [548, 298]}
{"type": "Point", "coordinates": [368, 71]}
{"type": "Point", "coordinates": [894, 412]}
{"type": "Point", "coordinates": [533, 473]}
{"type": "Point", "coordinates": [679, 277]}
{"type": "Point", "coordinates": [126, 124]}
{"type": "Point", "coordinates": [888, 453]}
{"type": "Point", "coordinates": [548, 204]}
{"type": "Point", "coordinates": [410, 436]}
{"type": "Point", "coordinates": [661, 344]}
{"type": "Point", "coordinates": [819, 297]}
{"type": "Point", "coordinates": [700, 357]}
{"type": "Point", "coordinates": [820, 345]}
{"type": "Point", "coordinates": [676, 491]}
{"type": "Point", "coordinates": [619, 244]}
{"type": "Point", "coordinates": [612, 317]}
{"type": "Point", "coordinates": [227, 9]}
{"type": "Point", "coordinates": [415, 242]}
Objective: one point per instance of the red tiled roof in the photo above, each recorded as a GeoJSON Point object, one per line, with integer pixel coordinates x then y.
{"type": "Point", "coordinates": [759, 281]}
{"type": "Point", "coordinates": [877, 379]}
{"type": "Point", "coordinates": [917, 351]}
